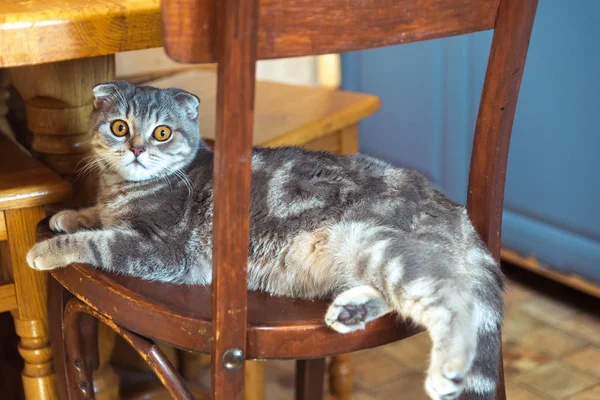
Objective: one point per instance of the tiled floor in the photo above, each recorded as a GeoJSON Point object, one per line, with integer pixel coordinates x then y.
{"type": "Point", "coordinates": [551, 351]}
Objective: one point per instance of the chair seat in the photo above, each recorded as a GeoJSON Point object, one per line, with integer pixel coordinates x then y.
{"type": "Point", "coordinates": [24, 181]}
{"type": "Point", "coordinates": [180, 315]}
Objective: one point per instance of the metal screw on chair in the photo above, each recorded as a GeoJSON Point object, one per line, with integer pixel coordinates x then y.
{"type": "Point", "coordinates": [233, 359]}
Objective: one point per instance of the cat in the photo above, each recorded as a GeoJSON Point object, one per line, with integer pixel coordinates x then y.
{"type": "Point", "coordinates": [374, 237]}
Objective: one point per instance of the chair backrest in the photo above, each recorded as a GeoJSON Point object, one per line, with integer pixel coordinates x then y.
{"type": "Point", "coordinates": [235, 33]}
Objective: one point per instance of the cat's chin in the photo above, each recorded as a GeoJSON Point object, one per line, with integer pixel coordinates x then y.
{"type": "Point", "coordinates": [136, 172]}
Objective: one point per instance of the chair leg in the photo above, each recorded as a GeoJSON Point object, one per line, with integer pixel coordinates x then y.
{"type": "Point", "coordinates": [500, 384]}
{"type": "Point", "coordinates": [340, 376]}
{"type": "Point", "coordinates": [78, 371]}
{"type": "Point", "coordinates": [80, 384]}
{"type": "Point", "coordinates": [57, 300]}
{"type": "Point", "coordinates": [309, 379]}
{"type": "Point", "coordinates": [31, 318]}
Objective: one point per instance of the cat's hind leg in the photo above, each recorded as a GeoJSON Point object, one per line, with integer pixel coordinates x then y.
{"type": "Point", "coordinates": [353, 308]}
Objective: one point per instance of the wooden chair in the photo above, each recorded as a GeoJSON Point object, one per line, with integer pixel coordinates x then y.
{"type": "Point", "coordinates": [314, 118]}
{"type": "Point", "coordinates": [25, 187]}
{"type": "Point", "coordinates": [246, 325]}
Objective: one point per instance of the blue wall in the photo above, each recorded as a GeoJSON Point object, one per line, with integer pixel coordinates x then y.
{"type": "Point", "coordinates": [430, 93]}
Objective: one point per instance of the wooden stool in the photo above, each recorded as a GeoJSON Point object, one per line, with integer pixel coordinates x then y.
{"type": "Point", "coordinates": [25, 187]}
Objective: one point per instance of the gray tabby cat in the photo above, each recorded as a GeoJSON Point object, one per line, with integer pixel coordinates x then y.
{"type": "Point", "coordinates": [376, 238]}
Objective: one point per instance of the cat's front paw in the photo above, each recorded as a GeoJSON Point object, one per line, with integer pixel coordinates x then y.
{"type": "Point", "coordinates": [67, 221]}
{"type": "Point", "coordinates": [43, 258]}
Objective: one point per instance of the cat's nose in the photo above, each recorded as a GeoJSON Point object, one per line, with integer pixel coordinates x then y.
{"type": "Point", "coordinates": [137, 150]}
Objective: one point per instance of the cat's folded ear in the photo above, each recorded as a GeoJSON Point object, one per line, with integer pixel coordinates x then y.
{"type": "Point", "coordinates": [188, 101]}
{"type": "Point", "coordinates": [105, 93]}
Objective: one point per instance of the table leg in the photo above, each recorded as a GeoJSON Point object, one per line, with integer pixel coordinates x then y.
{"type": "Point", "coordinates": [255, 379]}
{"type": "Point", "coordinates": [58, 100]}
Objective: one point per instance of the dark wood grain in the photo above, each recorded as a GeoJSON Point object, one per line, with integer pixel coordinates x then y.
{"type": "Point", "coordinates": [305, 27]}
{"type": "Point", "coordinates": [496, 116]}
{"type": "Point", "coordinates": [57, 300]}
{"type": "Point", "coordinates": [279, 328]}
{"type": "Point", "coordinates": [24, 181]}
{"type": "Point", "coordinates": [489, 157]}
{"type": "Point", "coordinates": [309, 379]}
{"type": "Point", "coordinates": [236, 54]}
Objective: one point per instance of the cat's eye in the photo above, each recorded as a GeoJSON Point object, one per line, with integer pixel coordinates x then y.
{"type": "Point", "coordinates": [119, 128]}
{"type": "Point", "coordinates": [162, 133]}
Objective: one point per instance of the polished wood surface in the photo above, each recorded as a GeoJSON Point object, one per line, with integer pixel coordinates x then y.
{"type": "Point", "coordinates": [277, 327]}
{"type": "Point", "coordinates": [255, 380]}
{"type": "Point", "coordinates": [340, 376]}
{"type": "Point", "coordinates": [485, 197]}
{"type": "Point", "coordinates": [31, 318]}
{"type": "Point", "coordinates": [3, 233]}
{"type": "Point", "coordinates": [237, 26]}
{"type": "Point", "coordinates": [58, 100]}
{"type": "Point", "coordinates": [284, 115]}
{"type": "Point", "coordinates": [25, 186]}
{"type": "Point", "coordinates": [8, 297]}
{"type": "Point", "coordinates": [305, 27]}
{"type": "Point", "coordinates": [495, 120]}
{"type": "Point", "coordinates": [25, 182]}
{"type": "Point", "coordinates": [42, 31]}
{"type": "Point", "coordinates": [58, 30]}
{"type": "Point", "coordinates": [309, 379]}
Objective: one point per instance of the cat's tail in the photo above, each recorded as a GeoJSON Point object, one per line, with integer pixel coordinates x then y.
{"type": "Point", "coordinates": [462, 311]}
{"type": "Point", "coordinates": [464, 329]}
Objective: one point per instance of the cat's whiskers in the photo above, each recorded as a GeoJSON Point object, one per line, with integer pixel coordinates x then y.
{"type": "Point", "coordinates": [183, 177]}
{"type": "Point", "coordinates": [94, 163]}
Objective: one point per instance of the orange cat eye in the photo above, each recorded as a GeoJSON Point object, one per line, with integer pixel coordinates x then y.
{"type": "Point", "coordinates": [119, 128]}
{"type": "Point", "coordinates": [162, 133]}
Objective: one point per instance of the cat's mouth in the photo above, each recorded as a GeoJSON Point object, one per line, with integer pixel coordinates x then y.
{"type": "Point", "coordinates": [136, 163]}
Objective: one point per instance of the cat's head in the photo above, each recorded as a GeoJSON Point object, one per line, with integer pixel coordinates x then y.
{"type": "Point", "coordinates": [142, 132]}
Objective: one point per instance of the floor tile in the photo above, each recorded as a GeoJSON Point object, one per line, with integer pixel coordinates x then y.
{"type": "Point", "coordinates": [518, 392]}
{"type": "Point", "coordinates": [410, 385]}
{"type": "Point", "coordinates": [373, 368]}
{"type": "Point", "coordinates": [520, 358]}
{"type": "Point", "coordinates": [274, 391]}
{"type": "Point", "coordinates": [586, 360]}
{"type": "Point", "coordinates": [517, 293]}
{"type": "Point", "coordinates": [517, 323]}
{"type": "Point", "coordinates": [590, 394]}
{"type": "Point", "coordinates": [584, 325]}
{"type": "Point", "coordinates": [360, 395]}
{"type": "Point", "coordinates": [413, 352]}
{"type": "Point", "coordinates": [552, 341]}
{"type": "Point", "coordinates": [557, 380]}
{"type": "Point", "coordinates": [548, 309]}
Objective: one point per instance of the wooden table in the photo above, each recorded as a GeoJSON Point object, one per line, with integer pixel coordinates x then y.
{"type": "Point", "coordinates": [57, 50]}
